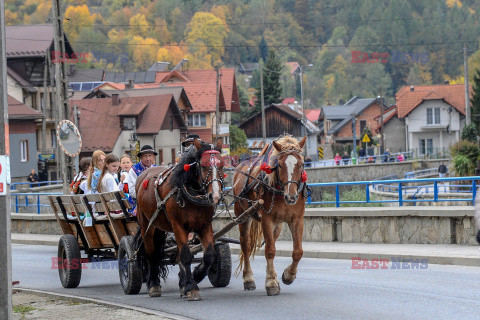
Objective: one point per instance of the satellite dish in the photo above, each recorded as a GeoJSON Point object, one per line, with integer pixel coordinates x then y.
{"type": "Point", "coordinates": [69, 138]}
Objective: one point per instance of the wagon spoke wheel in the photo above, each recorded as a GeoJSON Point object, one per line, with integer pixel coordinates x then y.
{"type": "Point", "coordinates": [69, 261]}
{"type": "Point", "coordinates": [130, 270]}
{"type": "Point", "coordinates": [220, 271]}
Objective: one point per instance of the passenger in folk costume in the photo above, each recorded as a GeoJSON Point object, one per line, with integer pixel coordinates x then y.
{"type": "Point", "coordinates": [108, 181]}
{"type": "Point", "coordinates": [96, 167]}
{"type": "Point", "coordinates": [84, 167]}
{"type": "Point", "coordinates": [122, 175]}
{"type": "Point", "coordinates": [147, 160]}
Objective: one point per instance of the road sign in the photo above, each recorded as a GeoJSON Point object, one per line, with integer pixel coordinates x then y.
{"type": "Point", "coordinates": [366, 138]}
{"type": "Point", "coordinates": [320, 153]}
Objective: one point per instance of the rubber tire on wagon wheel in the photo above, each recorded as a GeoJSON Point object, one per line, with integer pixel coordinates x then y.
{"type": "Point", "coordinates": [69, 266]}
{"type": "Point", "coordinates": [220, 271]}
{"type": "Point", "coordinates": [130, 272]}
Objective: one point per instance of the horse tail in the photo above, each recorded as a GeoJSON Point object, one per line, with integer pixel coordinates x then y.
{"type": "Point", "coordinates": [255, 237]}
{"type": "Point", "coordinates": [159, 240]}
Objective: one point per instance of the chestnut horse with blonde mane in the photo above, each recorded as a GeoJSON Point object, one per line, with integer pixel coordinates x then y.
{"type": "Point", "coordinates": [189, 193]}
{"type": "Point", "coordinates": [277, 176]}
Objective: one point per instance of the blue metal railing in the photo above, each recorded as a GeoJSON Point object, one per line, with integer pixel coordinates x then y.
{"type": "Point", "coordinates": [400, 190]}
{"type": "Point", "coordinates": [13, 186]}
{"type": "Point", "coordinates": [413, 174]}
{"type": "Point", "coordinates": [17, 203]}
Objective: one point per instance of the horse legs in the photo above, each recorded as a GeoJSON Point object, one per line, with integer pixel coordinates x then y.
{"type": "Point", "coordinates": [248, 280]}
{"type": "Point", "coordinates": [206, 238]}
{"type": "Point", "coordinates": [190, 288]}
{"type": "Point", "coordinates": [153, 279]}
{"type": "Point", "coordinates": [290, 273]}
{"type": "Point", "coordinates": [271, 282]}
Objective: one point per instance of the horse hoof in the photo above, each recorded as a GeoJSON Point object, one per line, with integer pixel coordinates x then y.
{"type": "Point", "coordinates": [182, 292]}
{"type": "Point", "coordinates": [194, 295]}
{"type": "Point", "coordinates": [288, 278]}
{"type": "Point", "coordinates": [249, 286]}
{"type": "Point", "coordinates": [273, 291]}
{"type": "Point", "coordinates": [155, 291]}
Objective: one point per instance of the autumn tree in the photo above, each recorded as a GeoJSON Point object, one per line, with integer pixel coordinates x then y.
{"type": "Point", "coordinates": [77, 18]}
{"type": "Point", "coordinates": [172, 53]}
{"type": "Point", "coordinates": [207, 31]}
{"type": "Point", "coordinates": [144, 52]}
{"type": "Point", "coordinates": [139, 26]}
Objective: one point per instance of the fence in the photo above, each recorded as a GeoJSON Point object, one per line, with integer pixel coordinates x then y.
{"type": "Point", "coordinates": [25, 202]}
{"type": "Point", "coordinates": [13, 186]}
{"type": "Point", "coordinates": [382, 158]}
{"type": "Point", "coordinates": [413, 174]}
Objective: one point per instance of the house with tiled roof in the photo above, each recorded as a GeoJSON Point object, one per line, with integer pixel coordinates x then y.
{"type": "Point", "coordinates": [434, 116]}
{"type": "Point", "coordinates": [31, 66]}
{"type": "Point", "coordinates": [281, 119]}
{"type": "Point", "coordinates": [115, 124]}
{"type": "Point", "coordinates": [335, 121]}
{"type": "Point", "coordinates": [23, 138]}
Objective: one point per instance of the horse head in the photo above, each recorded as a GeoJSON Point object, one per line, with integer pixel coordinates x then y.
{"type": "Point", "coordinates": [289, 170]}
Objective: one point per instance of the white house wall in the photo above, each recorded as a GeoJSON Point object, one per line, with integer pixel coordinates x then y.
{"type": "Point", "coordinates": [14, 89]}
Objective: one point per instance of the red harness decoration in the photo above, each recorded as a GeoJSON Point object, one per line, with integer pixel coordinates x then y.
{"type": "Point", "coordinates": [304, 176]}
{"type": "Point", "coordinates": [265, 168]}
{"type": "Point", "coordinates": [145, 184]}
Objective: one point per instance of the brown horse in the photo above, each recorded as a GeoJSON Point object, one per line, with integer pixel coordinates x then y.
{"type": "Point", "coordinates": [189, 192]}
{"type": "Point", "coordinates": [278, 178]}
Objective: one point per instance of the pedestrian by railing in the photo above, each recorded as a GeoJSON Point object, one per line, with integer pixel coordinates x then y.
{"type": "Point", "coordinates": [381, 158]}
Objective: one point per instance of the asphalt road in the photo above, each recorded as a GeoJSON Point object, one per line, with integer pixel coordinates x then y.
{"type": "Point", "coordinates": [324, 289]}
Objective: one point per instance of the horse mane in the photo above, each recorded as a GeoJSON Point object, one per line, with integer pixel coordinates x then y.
{"type": "Point", "coordinates": [179, 176]}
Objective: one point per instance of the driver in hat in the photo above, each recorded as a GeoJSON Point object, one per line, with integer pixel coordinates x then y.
{"type": "Point", "coordinates": [189, 140]}
{"type": "Point", "coordinates": [147, 160]}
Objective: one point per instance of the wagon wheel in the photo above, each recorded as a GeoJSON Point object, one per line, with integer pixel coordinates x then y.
{"type": "Point", "coordinates": [220, 271]}
{"type": "Point", "coordinates": [69, 263]}
{"type": "Point", "coordinates": [130, 270]}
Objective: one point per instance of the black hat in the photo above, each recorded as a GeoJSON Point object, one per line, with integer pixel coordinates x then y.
{"type": "Point", "coordinates": [190, 138]}
{"type": "Point", "coordinates": [146, 149]}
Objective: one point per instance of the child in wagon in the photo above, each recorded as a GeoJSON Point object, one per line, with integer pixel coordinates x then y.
{"type": "Point", "coordinates": [107, 180]}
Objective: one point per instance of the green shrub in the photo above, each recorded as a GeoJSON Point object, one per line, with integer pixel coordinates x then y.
{"type": "Point", "coordinates": [462, 166]}
{"type": "Point", "coordinates": [466, 148]}
{"type": "Point", "coordinates": [470, 133]}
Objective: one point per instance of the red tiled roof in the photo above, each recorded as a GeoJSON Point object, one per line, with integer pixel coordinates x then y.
{"type": "Point", "coordinates": [132, 109]}
{"type": "Point", "coordinates": [204, 134]}
{"type": "Point", "coordinates": [100, 121]}
{"type": "Point", "coordinates": [18, 110]}
{"type": "Point", "coordinates": [312, 114]}
{"type": "Point", "coordinates": [288, 101]}
{"type": "Point", "coordinates": [293, 66]}
{"type": "Point", "coordinates": [407, 100]}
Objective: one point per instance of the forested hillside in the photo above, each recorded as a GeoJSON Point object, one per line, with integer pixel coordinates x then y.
{"type": "Point", "coordinates": [346, 41]}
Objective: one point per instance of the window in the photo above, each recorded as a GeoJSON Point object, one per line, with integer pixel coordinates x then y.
{"type": "Point", "coordinates": [160, 156]}
{"type": "Point", "coordinates": [53, 135]}
{"type": "Point", "coordinates": [426, 146]}
{"type": "Point", "coordinates": [128, 123]}
{"type": "Point", "coordinates": [23, 150]}
{"type": "Point", "coordinates": [433, 116]}
{"type": "Point", "coordinates": [197, 120]}
{"type": "Point", "coordinates": [173, 155]}
{"type": "Point", "coordinates": [363, 125]}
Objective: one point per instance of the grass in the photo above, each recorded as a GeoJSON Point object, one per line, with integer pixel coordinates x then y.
{"type": "Point", "coordinates": [351, 195]}
{"type": "Point", "coordinates": [23, 310]}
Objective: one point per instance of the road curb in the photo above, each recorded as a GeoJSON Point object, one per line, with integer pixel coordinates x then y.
{"type": "Point", "coordinates": [104, 302]}
{"type": "Point", "coordinates": [35, 242]}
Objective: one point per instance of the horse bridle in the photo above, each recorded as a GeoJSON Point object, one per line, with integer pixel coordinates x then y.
{"type": "Point", "coordinates": [206, 182]}
{"type": "Point", "coordinates": [280, 186]}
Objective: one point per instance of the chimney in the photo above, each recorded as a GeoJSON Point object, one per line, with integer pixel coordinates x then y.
{"type": "Point", "coordinates": [115, 99]}
{"type": "Point", "coordinates": [412, 88]}
{"type": "Point", "coordinates": [129, 84]}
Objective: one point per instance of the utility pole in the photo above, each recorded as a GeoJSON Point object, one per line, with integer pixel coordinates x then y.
{"type": "Point", "coordinates": [262, 104]}
{"type": "Point", "coordinates": [303, 102]}
{"type": "Point", "coordinates": [46, 102]}
{"type": "Point", "coordinates": [61, 88]}
{"type": "Point", "coordinates": [75, 121]}
{"type": "Point", "coordinates": [354, 131]}
{"type": "Point", "coordinates": [468, 119]}
{"type": "Point", "coordinates": [5, 222]}
{"type": "Point", "coordinates": [381, 121]}
{"type": "Point", "coordinates": [217, 111]}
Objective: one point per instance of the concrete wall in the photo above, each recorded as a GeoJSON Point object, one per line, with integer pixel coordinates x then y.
{"type": "Point", "coordinates": [367, 172]}
{"type": "Point", "coordinates": [412, 225]}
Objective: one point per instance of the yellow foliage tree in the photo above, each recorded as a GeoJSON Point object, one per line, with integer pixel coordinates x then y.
{"type": "Point", "coordinates": [11, 18]}
{"type": "Point", "coordinates": [144, 52]}
{"type": "Point", "coordinates": [451, 3]}
{"type": "Point", "coordinates": [172, 54]}
{"type": "Point", "coordinates": [77, 18]}
{"type": "Point", "coordinates": [139, 26]}
{"type": "Point", "coordinates": [206, 33]}
{"type": "Point", "coordinates": [44, 10]}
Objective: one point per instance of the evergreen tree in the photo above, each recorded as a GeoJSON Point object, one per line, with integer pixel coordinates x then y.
{"type": "Point", "coordinates": [475, 101]}
{"type": "Point", "coordinates": [272, 87]}
{"type": "Point", "coordinates": [263, 49]}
